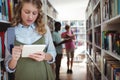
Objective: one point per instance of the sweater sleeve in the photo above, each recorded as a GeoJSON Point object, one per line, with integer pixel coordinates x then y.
{"type": "Point", "coordinates": [50, 45]}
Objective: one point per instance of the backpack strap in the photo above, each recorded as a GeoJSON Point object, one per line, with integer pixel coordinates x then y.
{"type": "Point", "coordinates": [10, 38]}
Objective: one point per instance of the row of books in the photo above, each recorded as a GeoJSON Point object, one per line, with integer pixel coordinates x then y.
{"type": "Point", "coordinates": [111, 68]}
{"type": "Point", "coordinates": [50, 22]}
{"type": "Point", "coordinates": [98, 58]}
{"type": "Point", "coordinates": [97, 74]}
{"type": "Point", "coordinates": [89, 9]}
{"type": "Point", "coordinates": [89, 75]}
{"type": "Point", "coordinates": [3, 74]}
{"type": "Point", "coordinates": [51, 11]}
{"type": "Point", "coordinates": [89, 36]}
{"type": "Point", "coordinates": [92, 70]}
{"type": "Point", "coordinates": [89, 71]}
{"type": "Point", "coordinates": [90, 65]}
{"type": "Point", "coordinates": [111, 8]}
{"type": "Point", "coordinates": [89, 23]}
{"type": "Point", "coordinates": [89, 48]}
{"type": "Point", "coordinates": [111, 41]}
{"type": "Point", "coordinates": [97, 14]}
{"type": "Point", "coordinates": [97, 17]}
{"type": "Point", "coordinates": [6, 10]}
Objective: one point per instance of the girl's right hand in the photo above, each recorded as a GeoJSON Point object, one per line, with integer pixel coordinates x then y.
{"type": "Point", "coordinates": [16, 52]}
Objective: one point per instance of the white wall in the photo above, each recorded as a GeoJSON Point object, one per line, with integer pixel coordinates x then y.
{"type": "Point", "coordinates": [71, 13]}
{"type": "Point", "coordinates": [70, 9]}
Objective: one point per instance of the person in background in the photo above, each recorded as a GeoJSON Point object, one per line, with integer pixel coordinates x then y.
{"type": "Point", "coordinates": [29, 29]}
{"type": "Point", "coordinates": [58, 44]}
{"type": "Point", "coordinates": [69, 46]}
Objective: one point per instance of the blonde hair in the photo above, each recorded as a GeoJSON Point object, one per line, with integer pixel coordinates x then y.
{"type": "Point", "coordinates": [40, 26]}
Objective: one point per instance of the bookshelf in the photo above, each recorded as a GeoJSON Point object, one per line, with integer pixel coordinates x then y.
{"type": "Point", "coordinates": [103, 39]}
{"type": "Point", "coordinates": [50, 14]}
{"type": "Point", "coordinates": [6, 14]}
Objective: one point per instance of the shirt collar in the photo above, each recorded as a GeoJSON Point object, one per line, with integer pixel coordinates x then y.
{"type": "Point", "coordinates": [30, 26]}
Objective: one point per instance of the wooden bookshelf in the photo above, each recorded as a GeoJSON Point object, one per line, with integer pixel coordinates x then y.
{"type": "Point", "coordinates": [103, 38]}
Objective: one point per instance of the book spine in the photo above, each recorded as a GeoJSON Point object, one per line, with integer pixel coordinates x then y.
{"type": "Point", "coordinates": [0, 9]}
{"type": "Point", "coordinates": [9, 11]}
{"type": "Point", "coordinates": [6, 6]}
{"type": "Point", "coordinates": [116, 70]}
{"type": "Point", "coordinates": [118, 6]}
{"type": "Point", "coordinates": [2, 40]}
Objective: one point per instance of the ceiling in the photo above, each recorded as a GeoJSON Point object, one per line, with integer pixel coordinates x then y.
{"type": "Point", "coordinates": [70, 9]}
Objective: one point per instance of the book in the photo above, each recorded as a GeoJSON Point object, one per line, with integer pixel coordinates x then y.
{"type": "Point", "coordinates": [110, 68]}
{"type": "Point", "coordinates": [10, 9]}
{"type": "Point", "coordinates": [0, 9]}
{"type": "Point", "coordinates": [117, 76]}
{"type": "Point", "coordinates": [115, 68]}
{"type": "Point", "coordinates": [6, 8]}
{"type": "Point", "coordinates": [97, 74]}
{"type": "Point", "coordinates": [31, 49]}
{"type": "Point", "coordinates": [105, 62]}
{"type": "Point", "coordinates": [2, 40]}
{"type": "Point", "coordinates": [118, 6]}
{"type": "Point", "coordinates": [0, 48]}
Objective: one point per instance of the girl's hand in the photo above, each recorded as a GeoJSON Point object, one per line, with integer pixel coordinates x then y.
{"type": "Point", "coordinates": [39, 56]}
{"type": "Point", "coordinates": [16, 52]}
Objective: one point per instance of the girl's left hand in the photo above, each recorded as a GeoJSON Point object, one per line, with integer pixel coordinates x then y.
{"type": "Point", "coordinates": [39, 56]}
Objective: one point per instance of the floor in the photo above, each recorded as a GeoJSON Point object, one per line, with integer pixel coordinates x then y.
{"type": "Point", "coordinates": [79, 70]}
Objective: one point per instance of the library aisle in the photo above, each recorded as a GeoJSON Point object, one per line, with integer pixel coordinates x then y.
{"type": "Point", "coordinates": [79, 70]}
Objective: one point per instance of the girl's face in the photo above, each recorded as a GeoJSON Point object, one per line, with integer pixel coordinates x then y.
{"type": "Point", "coordinates": [29, 14]}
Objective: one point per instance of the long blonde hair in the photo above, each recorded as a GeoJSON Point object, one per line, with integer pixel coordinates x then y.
{"type": "Point", "coordinates": [40, 26]}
